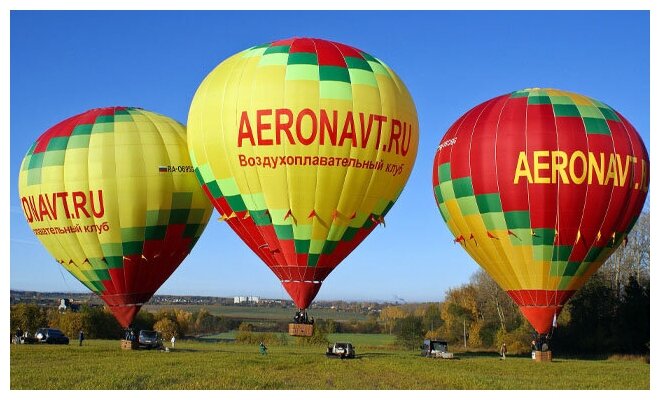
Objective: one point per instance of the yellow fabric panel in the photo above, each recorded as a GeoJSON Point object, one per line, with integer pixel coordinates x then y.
{"type": "Point", "coordinates": [252, 81]}
{"type": "Point", "coordinates": [112, 169]}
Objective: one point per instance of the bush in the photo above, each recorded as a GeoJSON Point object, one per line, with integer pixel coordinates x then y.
{"type": "Point", "coordinates": [320, 336]}
{"type": "Point", "coordinates": [144, 320]}
{"type": "Point", "coordinates": [328, 325]}
{"type": "Point", "coordinates": [354, 326]}
{"type": "Point", "coordinates": [268, 338]}
{"type": "Point", "coordinates": [409, 332]}
{"type": "Point", "coordinates": [204, 322]}
{"type": "Point", "coordinates": [28, 317]}
{"type": "Point", "coordinates": [167, 328]}
{"type": "Point", "coordinates": [517, 341]}
{"type": "Point", "coordinates": [95, 322]}
{"type": "Point", "coordinates": [245, 327]}
{"type": "Point", "coordinates": [474, 338]}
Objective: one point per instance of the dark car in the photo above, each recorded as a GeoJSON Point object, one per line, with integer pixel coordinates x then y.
{"type": "Point", "coordinates": [51, 336]}
{"type": "Point", "coordinates": [150, 340]}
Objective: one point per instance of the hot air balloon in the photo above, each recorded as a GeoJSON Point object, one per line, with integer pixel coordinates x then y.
{"type": "Point", "coordinates": [112, 196]}
{"type": "Point", "coordinates": [545, 184]}
{"type": "Point", "coordinates": [303, 146]}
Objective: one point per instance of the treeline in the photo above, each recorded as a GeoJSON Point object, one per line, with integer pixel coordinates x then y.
{"type": "Point", "coordinates": [99, 323]}
{"type": "Point", "coordinates": [481, 316]}
{"type": "Point", "coordinates": [610, 314]}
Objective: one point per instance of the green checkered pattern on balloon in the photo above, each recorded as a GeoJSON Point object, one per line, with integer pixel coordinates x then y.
{"type": "Point", "coordinates": [335, 81]}
{"type": "Point", "coordinates": [594, 115]}
{"type": "Point", "coordinates": [489, 207]}
{"type": "Point", "coordinates": [78, 138]}
{"type": "Point", "coordinates": [157, 222]}
{"type": "Point", "coordinates": [285, 227]}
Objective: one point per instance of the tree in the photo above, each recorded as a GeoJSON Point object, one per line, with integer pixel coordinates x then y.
{"type": "Point", "coordinates": [409, 332]}
{"type": "Point", "coordinates": [519, 340]}
{"type": "Point", "coordinates": [169, 313]}
{"type": "Point", "coordinates": [389, 315]}
{"type": "Point", "coordinates": [204, 321]}
{"type": "Point", "coordinates": [167, 328]}
{"type": "Point", "coordinates": [328, 325]}
{"type": "Point", "coordinates": [432, 319]}
{"type": "Point", "coordinates": [631, 258]}
{"type": "Point", "coordinates": [70, 323]}
{"type": "Point", "coordinates": [144, 320]}
{"type": "Point", "coordinates": [96, 322]}
{"type": "Point", "coordinates": [633, 319]}
{"type": "Point", "coordinates": [28, 317]}
{"type": "Point", "coordinates": [458, 311]}
{"type": "Point", "coordinates": [245, 327]}
{"type": "Point", "coordinates": [494, 304]}
{"type": "Point", "coordinates": [99, 323]}
{"type": "Point", "coordinates": [592, 311]}
{"type": "Point", "coordinates": [474, 333]}
{"type": "Point", "coordinates": [184, 320]}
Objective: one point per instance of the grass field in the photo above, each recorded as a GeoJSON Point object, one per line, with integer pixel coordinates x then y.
{"type": "Point", "coordinates": [263, 313]}
{"type": "Point", "coordinates": [363, 340]}
{"type": "Point", "coordinates": [101, 364]}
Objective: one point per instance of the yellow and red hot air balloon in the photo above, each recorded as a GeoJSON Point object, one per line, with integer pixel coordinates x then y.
{"type": "Point", "coordinates": [303, 145]}
{"type": "Point", "coordinates": [548, 183]}
{"type": "Point", "coordinates": [112, 196]}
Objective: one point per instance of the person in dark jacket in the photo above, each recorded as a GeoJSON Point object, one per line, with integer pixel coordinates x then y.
{"type": "Point", "coordinates": [81, 337]}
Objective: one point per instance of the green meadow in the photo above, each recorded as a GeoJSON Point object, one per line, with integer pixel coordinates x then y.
{"type": "Point", "coordinates": [101, 364]}
{"type": "Point", "coordinates": [261, 313]}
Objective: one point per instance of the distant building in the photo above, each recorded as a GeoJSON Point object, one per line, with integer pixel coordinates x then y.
{"type": "Point", "coordinates": [67, 304]}
{"type": "Point", "coordinates": [246, 299]}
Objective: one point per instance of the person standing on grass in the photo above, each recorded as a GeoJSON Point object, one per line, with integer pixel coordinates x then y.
{"type": "Point", "coordinates": [173, 341]}
{"type": "Point", "coordinates": [81, 337]}
{"type": "Point", "coordinates": [262, 348]}
{"type": "Point", "coordinates": [503, 351]}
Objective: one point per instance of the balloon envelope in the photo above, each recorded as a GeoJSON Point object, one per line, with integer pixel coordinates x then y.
{"type": "Point", "coordinates": [540, 186]}
{"type": "Point", "coordinates": [303, 145]}
{"type": "Point", "coordinates": [112, 196]}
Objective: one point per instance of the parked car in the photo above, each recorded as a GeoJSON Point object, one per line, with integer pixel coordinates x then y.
{"type": "Point", "coordinates": [51, 336]}
{"type": "Point", "coordinates": [436, 349]}
{"type": "Point", "coordinates": [150, 340]}
{"type": "Point", "coordinates": [341, 350]}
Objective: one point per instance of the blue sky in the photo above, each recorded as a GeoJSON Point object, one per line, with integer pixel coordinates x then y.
{"type": "Point", "coordinates": [63, 63]}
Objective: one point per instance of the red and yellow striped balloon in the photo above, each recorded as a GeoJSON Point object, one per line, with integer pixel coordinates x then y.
{"type": "Point", "coordinates": [540, 186]}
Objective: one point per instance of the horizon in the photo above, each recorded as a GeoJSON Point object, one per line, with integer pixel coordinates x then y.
{"type": "Point", "coordinates": [88, 293]}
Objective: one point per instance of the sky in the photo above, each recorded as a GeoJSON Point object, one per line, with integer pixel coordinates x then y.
{"type": "Point", "coordinates": [65, 62]}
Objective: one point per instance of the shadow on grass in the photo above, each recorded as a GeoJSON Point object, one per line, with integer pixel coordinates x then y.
{"type": "Point", "coordinates": [480, 354]}
{"type": "Point", "coordinates": [182, 350]}
{"type": "Point", "coordinates": [557, 358]}
{"type": "Point", "coordinates": [212, 340]}
{"type": "Point", "coordinates": [374, 355]}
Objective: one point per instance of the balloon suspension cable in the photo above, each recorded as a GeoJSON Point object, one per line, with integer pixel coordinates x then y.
{"type": "Point", "coordinates": [66, 283]}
